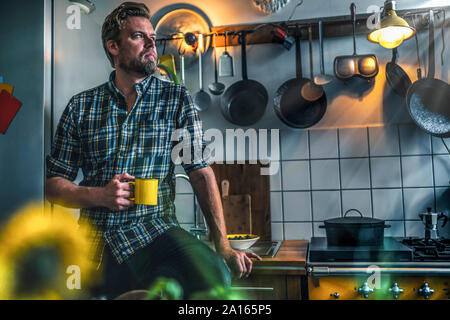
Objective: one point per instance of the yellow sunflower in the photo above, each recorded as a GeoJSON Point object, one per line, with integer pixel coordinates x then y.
{"type": "Point", "coordinates": [44, 255]}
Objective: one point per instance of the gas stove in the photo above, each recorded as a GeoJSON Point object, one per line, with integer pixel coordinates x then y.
{"type": "Point", "coordinates": [401, 268]}
{"type": "Point", "coordinates": [429, 249]}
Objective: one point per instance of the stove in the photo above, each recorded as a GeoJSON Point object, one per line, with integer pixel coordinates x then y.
{"type": "Point", "coordinates": [429, 249]}
{"type": "Point", "coordinates": [401, 268]}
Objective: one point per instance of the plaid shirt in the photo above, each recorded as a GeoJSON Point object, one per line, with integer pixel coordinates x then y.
{"type": "Point", "coordinates": [96, 134]}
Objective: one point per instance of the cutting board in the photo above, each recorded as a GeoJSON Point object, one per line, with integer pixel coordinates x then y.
{"type": "Point", "coordinates": [247, 179]}
{"type": "Point", "coordinates": [236, 210]}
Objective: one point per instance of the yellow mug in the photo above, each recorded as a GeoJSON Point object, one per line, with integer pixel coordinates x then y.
{"type": "Point", "coordinates": [145, 191]}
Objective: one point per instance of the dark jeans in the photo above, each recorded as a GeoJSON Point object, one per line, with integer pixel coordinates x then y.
{"type": "Point", "coordinates": [175, 254]}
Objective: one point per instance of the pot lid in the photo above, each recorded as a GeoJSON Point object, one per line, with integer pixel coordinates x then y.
{"type": "Point", "coordinates": [359, 220]}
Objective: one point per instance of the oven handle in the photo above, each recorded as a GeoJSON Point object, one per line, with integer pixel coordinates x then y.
{"type": "Point", "coordinates": [327, 271]}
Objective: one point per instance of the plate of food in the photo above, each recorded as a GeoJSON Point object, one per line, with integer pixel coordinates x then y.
{"type": "Point", "coordinates": [242, 241]}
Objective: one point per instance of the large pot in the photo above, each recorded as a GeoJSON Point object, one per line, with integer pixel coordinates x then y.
{"type": "Point", "coordinates": [354, 231]}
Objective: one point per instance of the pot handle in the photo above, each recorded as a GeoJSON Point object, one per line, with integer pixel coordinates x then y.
{"type": "Point", "coordinates": [345, 214]}
{"type": "Point", "coordinates": [321, 227]}
{"type": "Point", "coordinates": [387, 226]}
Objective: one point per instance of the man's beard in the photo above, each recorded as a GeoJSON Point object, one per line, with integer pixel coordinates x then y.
{"type": "Point", "coordinates": [146, 68]}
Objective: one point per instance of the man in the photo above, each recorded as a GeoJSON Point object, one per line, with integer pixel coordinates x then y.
{"type": "Point", "coordinates": [122, 130]}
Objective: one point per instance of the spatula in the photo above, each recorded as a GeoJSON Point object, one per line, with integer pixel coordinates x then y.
{"type": "Point", "coordinates": [226, 63]}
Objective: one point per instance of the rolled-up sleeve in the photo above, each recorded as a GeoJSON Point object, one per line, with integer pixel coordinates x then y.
{"type": "Point", "coordinates": [65, 157]}
{"type": "Point", "coordinates": [189, 120]}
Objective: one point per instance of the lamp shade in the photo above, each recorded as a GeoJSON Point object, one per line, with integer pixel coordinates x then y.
{"type": "Point", "coordinates": [392, 32]}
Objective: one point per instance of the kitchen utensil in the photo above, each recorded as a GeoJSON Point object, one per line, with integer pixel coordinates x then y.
{"type": "Point", "coordinates": [202, 100]}
{"type": "Point", "coordinates": [427, 99]}
{"type": "Point", "coordinates": [419, 68]}
{"type": "Point", "coordinates": [354, 231]}
{"type": "Point", "coordinates": [216, 87]}
{"type": "Point", "coordinates": [226, 63]}
{"type": "Point", "coordinates": [256, 185]}
{"type": "Point", "coordinates": [397, 78]}
{"type": "Point", "coordinates": [322, 78]}
{"type": "Point", "coordinates": [290, 106]}
{"type": "Point", "coordinates": [9, 106]}
{"type": "Point", "coordinates": [430, 220]}
{"type": "Point", "coordinates": [242, 241]}
{"type": "Point", "coordinates": [364, 66]}
{"type": "Point", "coordinates": [244, 103]}
{"type": "Point", "coordinates": [311, 91]}
{"type": "Point", "coordinates": [183, 79]}
{"type": "Point", "coordinates": [236, 211]}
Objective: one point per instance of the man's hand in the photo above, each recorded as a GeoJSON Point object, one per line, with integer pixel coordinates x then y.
{"type": "Point", "coordinates": [239, 262]}
{"type": "Point", "coordinates": [116, 194]}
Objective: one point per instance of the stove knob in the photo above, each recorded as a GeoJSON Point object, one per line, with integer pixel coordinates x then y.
{"type": "Point", "coordinates": [395, 290]}
{"type": "Point", "coordinates": [426, 291]}
{"type": "Point", "coordinates": [365, 290]}
{"type": "Point", "coordinates": [336, 295]}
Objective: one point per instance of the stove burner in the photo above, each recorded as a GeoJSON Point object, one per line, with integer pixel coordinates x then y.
{"type": "Point", "coordinates": [429, 249]}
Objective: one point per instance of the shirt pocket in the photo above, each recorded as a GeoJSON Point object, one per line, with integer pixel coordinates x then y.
{"type": "Point", "coordinates": [154, 137]}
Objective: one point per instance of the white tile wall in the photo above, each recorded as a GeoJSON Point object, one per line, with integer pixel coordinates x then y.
{"type": "Point", "coordinates": [276, 206]}
{"type": "Point", "coordinates": [417, 171]}
{"type": "Point", "coordinates": [385, 172]}
{"type": "Point", "coordinates": [417, 200]}
{"type": "Point", "coordinates": [383, 141]}
{"type": "Point", "coordinates": [414, 141]}
{"type": "Point", "coordinates": [296, 175]}
{"type": "Point", "coordinates": [355, 173]}
{"type": "Point", "coordinates": [357, 199]}
{"type": "Point", "coordinates": [325, 174]}
{"type": "Point", "coordinates": [326, 204]}
{"type": "Point", "coordinates": [298, 231]}
{"type": "Point", "coordinates": [388, 204]}
{"type": "Point", "coordinates": [353, 142]}
{"type": "Point", "coordinates": [294, 144]}
{"type": "Point", "coordinates": [323, 144]}
{"type": "Point", "coordinates": [442, 170]}
{"type": "Point", "coordinates": [297, 206]}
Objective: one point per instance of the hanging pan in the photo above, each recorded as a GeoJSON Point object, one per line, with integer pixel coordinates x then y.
{"type": "Point", "coordinates": [289, 105]}
{"type": "Point", "coordinates": [244, 103]}
{"type": "Point", "coordinates": [397, 78]}
{"type": "Point", "coordinates": [428, 99]}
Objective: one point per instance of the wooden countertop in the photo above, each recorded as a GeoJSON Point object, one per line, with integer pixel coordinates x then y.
{"type": "Point", "coordinates": [290, 259]}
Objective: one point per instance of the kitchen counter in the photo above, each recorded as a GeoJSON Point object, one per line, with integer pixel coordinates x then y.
{"type": "Point", "coordinates": [290, 259]}
{"type": "Point", "coordinates": [281, 278]}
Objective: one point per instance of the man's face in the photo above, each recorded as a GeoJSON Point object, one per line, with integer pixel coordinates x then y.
{"type": "Point", "coordinates": [137, 50]}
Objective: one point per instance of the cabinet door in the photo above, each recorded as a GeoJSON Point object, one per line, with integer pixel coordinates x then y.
{"type": "Point", "coordinates": [269, 287]}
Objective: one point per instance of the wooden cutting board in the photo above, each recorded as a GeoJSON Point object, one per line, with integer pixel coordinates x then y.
{"type": "Point", "coordinates": [247, 179]}
{"type": "Point", "coordinates": [236, 210]}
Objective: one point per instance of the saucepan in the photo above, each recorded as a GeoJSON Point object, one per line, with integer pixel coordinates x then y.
{"type": "Point", "coordinates": [354, 231]}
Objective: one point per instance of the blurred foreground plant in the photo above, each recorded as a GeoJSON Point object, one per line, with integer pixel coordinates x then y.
{"type": "Point", "coordinates": [170, 289]}
{"type": "Point", "coordinates": [36, 249]}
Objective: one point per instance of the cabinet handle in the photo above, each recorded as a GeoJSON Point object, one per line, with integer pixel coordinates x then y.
{"type": "Point", "coordinates": [253, 288]}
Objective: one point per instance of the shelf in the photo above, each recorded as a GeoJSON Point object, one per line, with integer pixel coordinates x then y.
{"type": "Point", "coordinates": [332, 26]}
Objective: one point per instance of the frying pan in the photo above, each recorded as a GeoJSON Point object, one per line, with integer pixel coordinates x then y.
{"type": "Point", "coordinates": [244, 103]}
{"type": "Point", "coordinates": [289, 105]}
{"type": "Point", "coordinates": [397, 78]}
{"type": "Point", "coordinates": [427, 99]}
{"type": "Point", "coordinates": [363, 66]}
